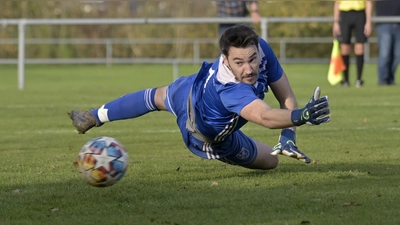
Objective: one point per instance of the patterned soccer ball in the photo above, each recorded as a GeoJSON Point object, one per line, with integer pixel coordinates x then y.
{"type": "Point", "coordinates": [102, 161]}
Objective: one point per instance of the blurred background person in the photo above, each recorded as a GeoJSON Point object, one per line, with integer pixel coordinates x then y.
{"type": "Point", "coordinates": [349, 16]}
{"type": "Point", "coordinates": [235, 8]}
{"type": "Point", "coordinates": [388, 41]}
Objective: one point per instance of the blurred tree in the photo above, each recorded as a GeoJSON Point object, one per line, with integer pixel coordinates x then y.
{"type": "Point", "coordinates": [154, 9]}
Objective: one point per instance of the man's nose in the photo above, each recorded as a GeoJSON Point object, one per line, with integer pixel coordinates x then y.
{"type": "Point", "coordinates": [249, 68]}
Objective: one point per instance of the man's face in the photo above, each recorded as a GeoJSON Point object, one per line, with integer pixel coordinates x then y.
{"type": "Point", "coordinates": [244, 63]}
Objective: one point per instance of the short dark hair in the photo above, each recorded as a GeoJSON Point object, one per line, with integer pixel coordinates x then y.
{"type": "Point", "coordinates": [238, 36]}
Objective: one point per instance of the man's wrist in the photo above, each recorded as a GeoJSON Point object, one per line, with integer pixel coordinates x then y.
{"type": "Point", "coordinates": [288, 135]}
{"type": "Point", "coordinates": [297, 118]}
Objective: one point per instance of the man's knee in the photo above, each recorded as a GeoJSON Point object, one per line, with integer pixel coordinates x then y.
{"type": "Point", "coordinates": [345, 49]}
{"type": "Point", "coordinates": [265, 163]}
{"type": "Point", "coordinates": [359, 48]}
{"type": "Point", "coordinates": [271, 163]}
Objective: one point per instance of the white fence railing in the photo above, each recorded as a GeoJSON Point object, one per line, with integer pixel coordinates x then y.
{"type": "Point", "coordinates": [22, 23]}
{"type": "Point", "coordinates": [109, 44]}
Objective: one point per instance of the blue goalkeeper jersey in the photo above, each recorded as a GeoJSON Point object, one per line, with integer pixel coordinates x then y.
{"type": "Point", "coordinates": [217, 98]}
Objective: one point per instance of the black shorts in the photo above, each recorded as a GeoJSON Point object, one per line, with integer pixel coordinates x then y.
{"type": "Point", "coordinates": [349, 21]}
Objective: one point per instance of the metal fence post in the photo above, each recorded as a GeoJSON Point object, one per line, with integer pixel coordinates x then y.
{"type": "Point", "coordinates": [282, 50]}
{"type": "Point", "coordinates": [109, 52]}
{"type": "Point", "coordinates": [196, 51]}
{"type": "Point", "coordinates": [21, 54]}
{"type": "Point", "coordinates": [175, 69]}
{"type": "Point", "coordinates": [367, 52]}
{"type": "Point", "coordinates": [264, 29]}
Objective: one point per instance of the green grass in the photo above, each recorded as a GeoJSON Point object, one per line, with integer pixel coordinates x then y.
{"type": "Point", "coordinates": [353, 179]}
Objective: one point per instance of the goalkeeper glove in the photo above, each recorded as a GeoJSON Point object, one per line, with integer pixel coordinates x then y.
{"type": "Point", "coordinates": [287, 146]}
{"type": "Point", "coordinates": [314, 113]}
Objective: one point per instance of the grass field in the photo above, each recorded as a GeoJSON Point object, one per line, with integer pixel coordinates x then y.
{"type": "Point", "coordinates": [352, 180]}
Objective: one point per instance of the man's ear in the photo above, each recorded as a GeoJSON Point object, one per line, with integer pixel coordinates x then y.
{"type": "Point", "coordinates": [226, 63]}
{"type": "Point", "coordinates": [225, 60]}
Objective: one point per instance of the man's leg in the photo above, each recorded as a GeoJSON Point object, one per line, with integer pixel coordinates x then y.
{"type": "Point", "coordinates": [128, 106]}
{"type": "Point", "coordinates": [264, 159]}
{"type": "Point", "coordinates": [361, 39]}
{"type": "Point", "coordinates": [384, 55]}
{"type": "Point", "coordinates": [239, 149]}
{"type": "Point", "coordinates": [359, 52]}
{"type": "Point", "coordinates": [345, 51]}
{"type": "Point", "coordinates": [346, 26]}
{"type": "Point", "coordinates": [396, 52]}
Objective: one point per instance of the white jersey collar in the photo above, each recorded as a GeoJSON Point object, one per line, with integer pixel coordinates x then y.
{"type": "Point", "coordinates": [224, 74]}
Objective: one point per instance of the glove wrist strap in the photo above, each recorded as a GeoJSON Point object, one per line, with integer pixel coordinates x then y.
{"type": "Point", "coordinates": [289, 134]}
{"type": "Point", "coordinates": [297, 118]}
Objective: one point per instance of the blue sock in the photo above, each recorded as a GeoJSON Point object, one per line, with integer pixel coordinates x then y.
{"type": "Point", "coordinates": [127, 106]}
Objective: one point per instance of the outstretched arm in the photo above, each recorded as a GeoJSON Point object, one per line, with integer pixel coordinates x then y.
{"type": "Point", "coordinates": [315, 112]}
{"type": "Point", "coordinates": [261, 113]}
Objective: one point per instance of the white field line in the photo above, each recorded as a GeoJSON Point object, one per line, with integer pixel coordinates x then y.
{"type": "Point", "coordinates": [26, 106]}
{"type": "Point", "coordinates": [379, 104]}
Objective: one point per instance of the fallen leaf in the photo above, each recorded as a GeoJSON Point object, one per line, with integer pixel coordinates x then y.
{"type": "Point", "coordinates": [16, 191]}
{"type": "Point", "coordinates": [54, 209]}
{"type": "Point", "coordinates": [177, 169]}
{"type": "Point", "coordinates": [351, 204]}
{"type": "Point", "coordinates": [214, 183]}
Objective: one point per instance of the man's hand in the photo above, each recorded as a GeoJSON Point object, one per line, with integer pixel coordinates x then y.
{"type": "Point", "coordinates": [314, 113]}
{"type": "Point", "coordinates": [287, 146]}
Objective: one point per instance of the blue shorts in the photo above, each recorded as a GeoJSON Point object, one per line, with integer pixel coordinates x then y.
{"type": "Point", "coordinates": [236, 149]}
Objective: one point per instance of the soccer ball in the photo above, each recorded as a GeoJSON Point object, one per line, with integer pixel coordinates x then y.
{"type": "Point", "coordinates": [102, 161]}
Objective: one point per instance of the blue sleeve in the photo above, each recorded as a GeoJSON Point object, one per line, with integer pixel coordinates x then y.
{"type": "Point", "coordinates": [269, 63]}
{"type": "Point", "coordinates": [236, 96]}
